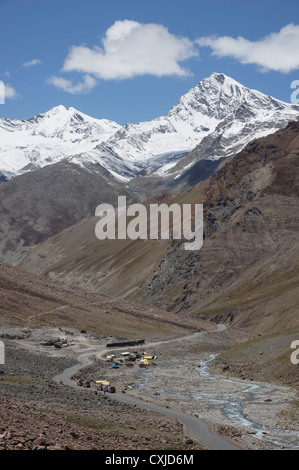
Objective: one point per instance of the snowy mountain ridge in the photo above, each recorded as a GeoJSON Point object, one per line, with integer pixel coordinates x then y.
{"type": "Point", "coordinates": [218, 110]}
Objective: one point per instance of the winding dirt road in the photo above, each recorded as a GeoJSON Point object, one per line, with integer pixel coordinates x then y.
{"type": "Point", "coordinates": [195, 428]}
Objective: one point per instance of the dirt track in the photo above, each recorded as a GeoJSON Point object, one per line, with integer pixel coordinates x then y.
{"type": "Point", "coordinates": [253, 415]}
{"type": "Point", "coordinates": [41, 414]}
{"type": "Point", "coordinates": [196, 428]}
{"type": "Point", "coordinates": [181, 382]}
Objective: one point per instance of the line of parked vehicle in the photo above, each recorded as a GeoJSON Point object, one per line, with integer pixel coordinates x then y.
{"type": "Point", "coordinates": [128, 358]}
{"type": "Point", "coordinates": [102, 386]}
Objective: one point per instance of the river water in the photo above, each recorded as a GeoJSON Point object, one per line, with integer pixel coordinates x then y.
{"type": "Point", "coordinates": [232, 406]}
{"type": "Point", "coordinates": [231, 397]}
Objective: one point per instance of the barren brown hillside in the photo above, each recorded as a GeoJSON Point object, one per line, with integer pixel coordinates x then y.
{"type": "Point", "coordinates": [35, 301]}
{"type": "Point", "coordinates": [247, 270]}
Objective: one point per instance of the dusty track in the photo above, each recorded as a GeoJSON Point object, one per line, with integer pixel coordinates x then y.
{"type": "Point", "coordinates": [195, 427]}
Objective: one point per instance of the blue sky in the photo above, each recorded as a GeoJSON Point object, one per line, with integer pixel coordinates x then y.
{"type": "Point", "coordinates": [130, 61]}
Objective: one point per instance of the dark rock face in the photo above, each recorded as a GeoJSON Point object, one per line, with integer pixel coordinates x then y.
{"type": "Point", "coordinates": [39, 204]}
{"type": "Point", "coordinates": [250, 217]}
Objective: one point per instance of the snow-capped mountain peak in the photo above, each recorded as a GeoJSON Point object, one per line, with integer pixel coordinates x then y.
{"type": "Point", "coordinates": [63, 122]}
{"type": "Point", "coordinates": [48, 138]}
{"type": "Point", "coordinates": [219, 95]}
{"type": "Point", "coordinates": [218, 108]}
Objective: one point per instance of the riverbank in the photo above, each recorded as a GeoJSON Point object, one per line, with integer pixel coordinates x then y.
{"type": "Point", "coordinates": [180, 379]}
{"type": "Point", "coordinates": [253, 415]}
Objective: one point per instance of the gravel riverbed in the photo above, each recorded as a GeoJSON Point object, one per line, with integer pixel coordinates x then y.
{"type": "Point", "coordinates": [250, 414]}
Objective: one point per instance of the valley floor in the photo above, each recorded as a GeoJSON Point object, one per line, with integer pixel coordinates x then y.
{"type": "Point", "coordinates": [250, 414]}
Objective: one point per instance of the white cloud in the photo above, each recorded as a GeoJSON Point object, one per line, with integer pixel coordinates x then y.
{"type": "Point", "coordinates": [32, 63]}
{"type": "Point", "coordinates": [85, 86]}
{"type": "Point", "coordinates": [130, 49]}
{"type": "Point", "coordinates": [10, 92]}
{"type": "Point", "coordinates": [277, 51]}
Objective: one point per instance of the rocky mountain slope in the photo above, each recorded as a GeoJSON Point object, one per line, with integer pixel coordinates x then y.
{"type": "Point", "coordinates": [246, 273]}
{"type": "Point", "coordinates": [32, 301]}
{"type": "Point", "coordinates": [38, 204]}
